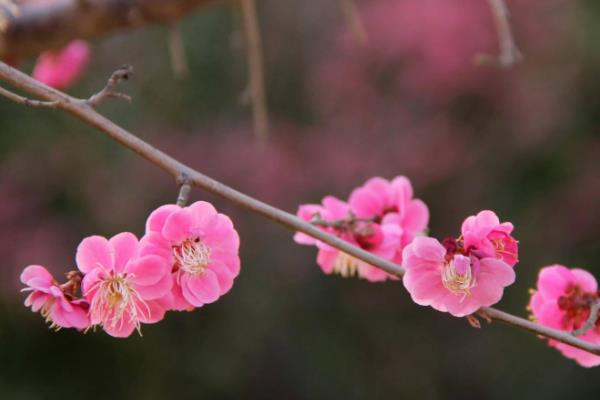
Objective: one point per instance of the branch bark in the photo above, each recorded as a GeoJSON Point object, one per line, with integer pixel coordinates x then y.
{"type": "Point", "coordinates": [175, 168]}
{"type": "Point", "coordinates": [33, 27]}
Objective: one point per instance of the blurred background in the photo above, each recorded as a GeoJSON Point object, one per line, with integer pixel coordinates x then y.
{"type": "Point", "coordinates": [524, 142]}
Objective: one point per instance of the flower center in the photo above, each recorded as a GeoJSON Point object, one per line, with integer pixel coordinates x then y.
{"type": "Point", "coordinates": [457, 276]}
{"type": "Point", "coordinates": [114, 298]}
{"type": "Point", "coordinates": [192, 256]}
{"type": "Point", "coordinates": [345, 265]}
{"type": "Point", "coordinates": [576, 305]}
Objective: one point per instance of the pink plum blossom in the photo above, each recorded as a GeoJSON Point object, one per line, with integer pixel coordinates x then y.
{"type": "Point", "coordinates": [62, 68]}
{"type": "Point", "coordinates": [393, 202]}
{"type": "Point", "coordinates": [485, 236]}
{"type": "Point", "coordinates": [382, 239]}
{"type": "Point", "coordinates": [56, 304]}
{"type": "Point", "coordinates": [450, 280]}
{"type": "Point", "coordinates": [123, 288]}
{"type": "Point", "coordinates": [563, 301]}
{"type": "Point", "coordinates": [201, 247]}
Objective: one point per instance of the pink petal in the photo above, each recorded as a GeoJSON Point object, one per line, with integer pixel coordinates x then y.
{"type": "Point", "coordinates": [148, 270]}
{"type": "Point", "coordinates": [122, 329]}
{"type": "Point", "coordinates": [366, 203]}
{"type": "Point", "coordinates": [585, 280]}
{"type": "Point", "coordinates": [156, 290]}
{"type": "Point", "coordinates": [93, 252]}
{"type": "Point", "coordinates": [416, 217]}
{"type": "Point", "coordinates": [553, 280]}
{"type": "Point", "coordinates": [428, 248]}
{"type": "Point", "coordinates": [326, 259]}
{"type": "Point", "coordinates": [200, 289]}
{"type": "Point", "coordinates": [203, 213]}
{"type": "Point", "coordinates": [36, 271]}
{"type": "Point", "coordinates": [179, 226]}
{"type": "Point", "coordinates": [152, 312]}
{"type": "Point", "coordinates": [156, 220]}
{"type": "Point", "coordinates": [125, 247]}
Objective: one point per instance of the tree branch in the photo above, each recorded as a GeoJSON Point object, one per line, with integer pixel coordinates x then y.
{"type": "Point", "coordinates": [591, 321]}
{"type": "Point", "coordinates": [509, 53]}
{"type": "Point", "coordinates": [256, 77]}
{"type": "Point", "coordinates": [87, 114]}
{"type": "Point", "coordinates": [37, 26]}
{"type": "Point", "coordinates": [25, 101]}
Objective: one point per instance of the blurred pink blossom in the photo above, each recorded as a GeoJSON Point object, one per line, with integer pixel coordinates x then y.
{"type": "Point", "coordinates": [485, 236]}
{"type": "Point", "coordinates": [563, 301]}
{"type": "Point", "coordinates": [381, 217]}
{"type": "Point", "coordinates": [62, 68]}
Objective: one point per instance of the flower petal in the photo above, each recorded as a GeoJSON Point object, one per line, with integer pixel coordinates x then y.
{"type": "Point", "coordinates": [93, 252]}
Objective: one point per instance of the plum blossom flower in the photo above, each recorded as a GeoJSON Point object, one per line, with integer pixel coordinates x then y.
{"type": "Point", "coordinates": [563, 301]}
{"type": "Point", "coordinates": [450, 279]}
{"type": "Point", "coordinates": [382, 239]}
{"type": "Point", "coordinates": [56, 303]}
{"type": "Point", "coordinates": [393, 202]}
{"type": "Point", "coordinates": [62, 68]}
{"type": "Point", "coordinates": [123, 288]}
{"type": "Point", "coordinates": [485, 236]}
{"type": "Point", "coordinates": [201, 247]}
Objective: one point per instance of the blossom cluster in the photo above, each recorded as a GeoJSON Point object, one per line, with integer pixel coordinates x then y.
{"type": "Point", "coordinates": [381, 217]}
{"type": "Point", "coordinates": [456, 275]}
{"type": "Point", "coordinates": [187, 258]}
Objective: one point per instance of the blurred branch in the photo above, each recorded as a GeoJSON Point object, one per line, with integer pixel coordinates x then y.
{"type": "Point", "coordinates": [30, 27]}
{"type": "Point", "coordinates": [354, 21]}
{"type": "Point", "coordinates": [175, 168]}
{"type": "Point", "coordinates": [110, 90]}
{"type": "Point", "coordinates": [256, 78]}
{"type": "Point", "coordinates": [591, 321]}
{"type": "Point", "coordinates": [25, 101]}
{"type": "Point", "coordinates": [184, 190]}
{"type": "Point", "coordinates": [177, 51]}
{"type": "Point", "coordinates": [509, 53]}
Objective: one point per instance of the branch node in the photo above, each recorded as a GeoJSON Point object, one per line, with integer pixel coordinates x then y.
{"type": "Point", "coordinates": [184, 182]}
{"type": "Point", "coordinates": [110, 90]}
{"type": "Point", "coordinates": [591, 321]}
{"type": "Point", "coordinates": [509, 53]}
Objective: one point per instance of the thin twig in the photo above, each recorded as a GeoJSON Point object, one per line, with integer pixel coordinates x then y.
{"type": "Point", "coordinates": [339, 223]}
{"type": "Point", "coordinates": [591, 321]}
{"type": "Point", "coordinates": [27, 102]}
{"type": "Point", "coordinates": [256, 79]}
{"type": "Point", "coordinates": [354, 21]}
{"type": "Point", "coordinates": [175, 168]}
{"type": "Point", "coordinates": [184, 189]}
{"type": "Point", "coordinates": [509, 53]}
{"type": "Point", "coordinates": [110, 90]}
{"type": "Point", "coordinates": [177, 51]}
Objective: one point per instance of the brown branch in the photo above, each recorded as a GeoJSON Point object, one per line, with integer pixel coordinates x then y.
{"type": "Point", "coordinates": [591, 321]}
{"type": "Point", "coordinates": [37, 26]}
{"type": "Point", "coordinates": [354, 21]}
{"type": "Point", "coordinates": [110, 90]}
{"type": "Point", "coordinates": [184, 190]}
{"type": "Point", "coordinates": [509, 53]}
{"type": "Point", "coordinates": [90, 116]}
{"type": "Point", "coordinates": [179, 61]}
{"type": "Point", "coordinates": [25, 101]}
{"type": "Point", "coordinates": [256, 79]}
